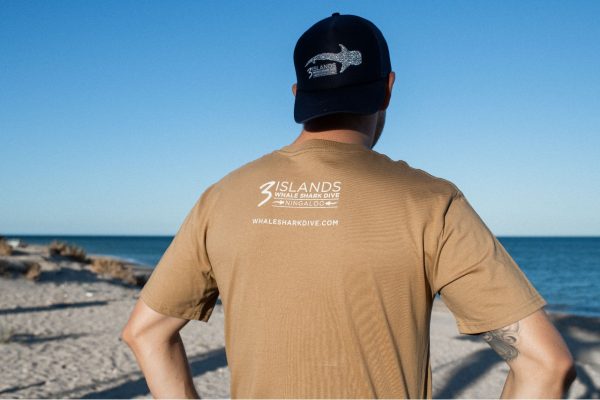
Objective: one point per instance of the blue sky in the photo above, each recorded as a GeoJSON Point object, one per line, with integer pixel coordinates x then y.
{"type": "Point", "coordinates": [116, 115]}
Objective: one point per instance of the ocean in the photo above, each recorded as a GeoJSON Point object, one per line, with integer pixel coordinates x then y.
{"type": "Point", "coordinates": [565, 270]}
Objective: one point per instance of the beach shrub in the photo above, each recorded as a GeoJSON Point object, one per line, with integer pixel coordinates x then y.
{"type": "Point", "coordinates": [114, 269]}
{"type": "Point", "coordinates": [5, 248]}
{"type": "Point", "coordinates": [33, 271]}
{"type": "Point", "coordinates": [12, 268]}
{"type": "Point", "coordinates": [63, 249]}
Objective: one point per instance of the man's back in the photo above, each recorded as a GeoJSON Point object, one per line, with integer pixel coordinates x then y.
{"type": "Point", "coordinates": [327, 257]}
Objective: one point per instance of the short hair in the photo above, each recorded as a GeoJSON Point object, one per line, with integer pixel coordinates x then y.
{"type": "Point", "coordinates": [335, 121]}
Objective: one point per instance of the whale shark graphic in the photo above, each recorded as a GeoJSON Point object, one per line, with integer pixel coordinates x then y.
{"type": "Point", "coordinates": [345, 57]}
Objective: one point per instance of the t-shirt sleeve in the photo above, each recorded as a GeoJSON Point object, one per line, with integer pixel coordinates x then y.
{"type": "Point", "coordinates": [476, 277]}
{"type": "Point", "coordinates": [183, 284]}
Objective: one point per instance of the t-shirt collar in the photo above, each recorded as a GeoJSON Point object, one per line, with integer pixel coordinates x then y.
{"type": "Point", "coordinates": [323, 144]}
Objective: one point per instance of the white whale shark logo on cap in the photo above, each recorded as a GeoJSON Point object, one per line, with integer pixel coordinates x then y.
{"type": "Point", "coordinates": [345, 57]}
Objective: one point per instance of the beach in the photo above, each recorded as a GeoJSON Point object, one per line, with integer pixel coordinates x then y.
{"type": "Point", "coordinates": [60, 339]}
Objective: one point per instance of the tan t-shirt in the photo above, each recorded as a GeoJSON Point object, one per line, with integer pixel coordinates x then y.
{"type": "Point", "coordinates": [327, 257]}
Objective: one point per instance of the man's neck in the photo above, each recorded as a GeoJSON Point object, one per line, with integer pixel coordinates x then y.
{"type": "Point", "coordinates": [338, 135]}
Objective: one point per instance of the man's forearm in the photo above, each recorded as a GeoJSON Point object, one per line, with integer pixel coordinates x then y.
{"type": "Point", "coordinates": [541, 365]}
{"type": "Point", "coordinates": [165, 367]}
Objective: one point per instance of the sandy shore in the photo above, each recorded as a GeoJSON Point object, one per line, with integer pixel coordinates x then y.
{"type": "Point", "coordinates": [61, 340]}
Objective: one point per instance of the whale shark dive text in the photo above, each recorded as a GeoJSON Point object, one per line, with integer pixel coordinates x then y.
{"type": "Point", "coordinates": [345, 57]}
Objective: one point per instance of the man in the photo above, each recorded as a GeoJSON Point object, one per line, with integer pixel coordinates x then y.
{"type": "Point", "coordinates": [327, 256]}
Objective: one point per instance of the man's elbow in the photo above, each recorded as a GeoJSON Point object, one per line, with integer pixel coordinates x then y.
{"type": "Point", "coordinates": [127, 335]}
{"type": "Point", "coordinates": [132, 334]}
{"type": "Point", "coordinates": [147, 328]}
{"type": "Point", "coordinates": [566, 371]}
{"type": "Point", "coordinates": [137, 334]}
{"type": "Point", "coordinates": [556, 371]}
{"type": "Point", "coordinates": [561, 366]}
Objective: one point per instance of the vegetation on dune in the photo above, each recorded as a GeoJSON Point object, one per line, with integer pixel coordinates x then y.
{"type": "Point", "coordinates": [116, 269]}
{"type": "Point", "coordinates": [29, 269]}
{"type": "Point", "coordinates": [57, 251]}
{"type": "Point", "coordinates": [5, 248]}
{"type": "Point", "coordinates": [33, 271]}
{"type": "Point", "coordinates": [76, 253]}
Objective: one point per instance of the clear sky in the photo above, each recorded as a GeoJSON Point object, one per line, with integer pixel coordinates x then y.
{"type": "Point", "coordinates": [116, 115]}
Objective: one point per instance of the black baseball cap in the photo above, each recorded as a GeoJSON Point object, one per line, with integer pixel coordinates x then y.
{"type": "Point", "coordinates": [342, 65]}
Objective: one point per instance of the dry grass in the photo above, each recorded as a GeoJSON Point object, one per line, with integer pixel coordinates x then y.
{"type": "Point", "coordinates": [33, 271]}
{"type": "Point", "coordinates": [29, 269]}
{"type": "Point", "coordinates": [63, 249]}
{"type": "Point", "coordinates": [5, 249]}
{"type": "Point", "coordinates": [114, 269]}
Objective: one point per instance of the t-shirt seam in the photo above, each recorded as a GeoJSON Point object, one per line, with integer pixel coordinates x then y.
{"type": "Point", "coordinates": [534, 300]}
{"type": "Point", "coordinates": [453, 196]}
{"type": "Point", "coordinates": [319, 149]}
{"type": "Point", "coordinates": [214, 191]}
{"type": "Point", "coordinates": [161, 307]}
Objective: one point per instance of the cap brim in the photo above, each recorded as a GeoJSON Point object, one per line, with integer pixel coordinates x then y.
{"type": "Point", "coordinates": [358, 99]}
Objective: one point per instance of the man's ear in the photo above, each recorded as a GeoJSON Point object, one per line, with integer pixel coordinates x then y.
{"type": "Point", "coordinates": [391, 80]}
{"type": "Point", "coordinates": [294, 89]}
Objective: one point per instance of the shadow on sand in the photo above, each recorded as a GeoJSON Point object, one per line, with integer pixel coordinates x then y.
{"type": "Point", "coordinates": [28, 338]}
{"type": "Point", "coordinates": [133, 384]}
{"type": "Point", "coordinates": [13, 389]}
{"type": "Point", "coordinates": [52, 307]}
{"type": "Point", "coordinates": [63, 275]}
{"type": "Point", "coordinates": [571, 327]}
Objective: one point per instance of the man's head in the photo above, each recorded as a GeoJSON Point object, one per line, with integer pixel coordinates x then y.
{"type": "Point", "coordinates": [344, 77]}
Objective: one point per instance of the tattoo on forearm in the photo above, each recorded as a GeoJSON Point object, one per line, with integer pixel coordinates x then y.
{"type": "Point", "coordinates": [503, 341]}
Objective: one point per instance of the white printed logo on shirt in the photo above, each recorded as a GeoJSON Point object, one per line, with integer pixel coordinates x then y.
{"type": "Point", "coordinates": [287, 194]}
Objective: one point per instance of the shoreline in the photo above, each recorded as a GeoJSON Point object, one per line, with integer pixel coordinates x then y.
{"type": "Point", "coordinates": [87, 242]}
{"type": "Point", "coordinates": [136, 250]}
{"type": "Point", "coordinates": [59, 338]}
{"type": "Point", "coordinates": [37, 262]}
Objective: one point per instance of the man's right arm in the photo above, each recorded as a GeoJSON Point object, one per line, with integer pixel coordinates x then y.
{"type": "Point", "coordinates": [541, 365]}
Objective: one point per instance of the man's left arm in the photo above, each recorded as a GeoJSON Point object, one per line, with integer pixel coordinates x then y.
{"type": "Point", "coordinates": [541, 365]}
{"type": "Point", "coordinates": [156, 343]}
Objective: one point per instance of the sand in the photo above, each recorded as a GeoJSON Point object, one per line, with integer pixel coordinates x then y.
{"type": "Point", "coordinates": [64, 343]}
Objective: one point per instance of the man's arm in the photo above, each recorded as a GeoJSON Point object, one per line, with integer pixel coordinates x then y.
{"type": "Point", "coordinates": [154, 339]}
{"type": "Point", "coordinates": [541, 365]}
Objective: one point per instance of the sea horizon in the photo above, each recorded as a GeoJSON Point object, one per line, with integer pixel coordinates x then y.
{"type": "Point", "coordinates": [554, 264]}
